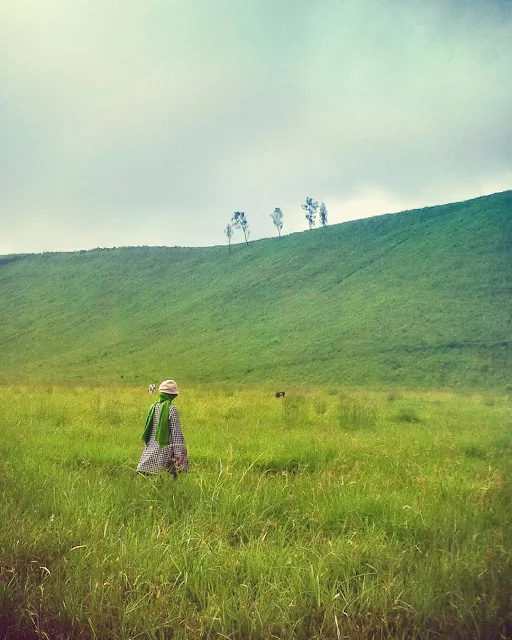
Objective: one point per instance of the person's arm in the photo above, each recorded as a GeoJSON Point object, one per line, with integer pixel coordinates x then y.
{"type": "Point", "coordinates": [177, 441]}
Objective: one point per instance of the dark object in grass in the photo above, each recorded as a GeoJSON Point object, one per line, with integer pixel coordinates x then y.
{"type": "Point", "coordinates": [280, 394]}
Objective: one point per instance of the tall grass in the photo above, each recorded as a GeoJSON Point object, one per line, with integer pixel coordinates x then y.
{"type": "Point", "coordinates": [321, 516]}
{"type": "Point", "coordinates": [357, 411]}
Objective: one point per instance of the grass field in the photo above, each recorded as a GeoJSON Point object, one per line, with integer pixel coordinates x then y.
{"type": "Point", "coordinates": [340, 513]}
{"type": "Point", "coordinates": [416, 299]}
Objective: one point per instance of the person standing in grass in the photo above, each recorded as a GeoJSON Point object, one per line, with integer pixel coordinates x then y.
{"type": "Point", "coordinates": [165, 448]}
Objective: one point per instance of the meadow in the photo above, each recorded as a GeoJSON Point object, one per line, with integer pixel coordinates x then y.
{"type": "Point", "coordinates": [336, 513]}
{"type": "Point", "coordinates": [415, 299]}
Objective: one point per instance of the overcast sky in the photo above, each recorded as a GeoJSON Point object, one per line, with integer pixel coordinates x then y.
{"type": "Point", "coordinates": [148, 122]}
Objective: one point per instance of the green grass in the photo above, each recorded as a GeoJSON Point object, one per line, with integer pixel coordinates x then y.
{"type": "Point", "coordinates": [340, 513]}
{"type": "Point", "coordinates": [420, 299]}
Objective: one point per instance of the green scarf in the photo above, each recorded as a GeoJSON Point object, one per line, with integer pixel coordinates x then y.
{"type": "Point", "coordinates": [162, 430]}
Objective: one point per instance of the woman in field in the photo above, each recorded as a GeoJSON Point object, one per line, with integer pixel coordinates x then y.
{"type": "Point", "coordinates": [165, 448]}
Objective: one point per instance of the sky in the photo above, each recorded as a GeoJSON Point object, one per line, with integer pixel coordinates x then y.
{"type": "Point", "coordinates": [149, 122]}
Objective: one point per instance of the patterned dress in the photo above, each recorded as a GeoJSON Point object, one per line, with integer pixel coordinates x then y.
{"type": "Point", "coordinates": [155, 459]}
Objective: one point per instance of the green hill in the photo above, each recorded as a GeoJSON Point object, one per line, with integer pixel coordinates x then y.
{"type": "Point", "coordinates": [420, 298]}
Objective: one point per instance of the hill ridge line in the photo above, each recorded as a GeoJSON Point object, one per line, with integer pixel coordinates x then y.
{"type": "Point", "coordinates": [413, 299]}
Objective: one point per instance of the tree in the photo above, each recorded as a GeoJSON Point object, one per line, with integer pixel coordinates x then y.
{"type": "Point", "coordinates": [228, 232]}
{"type": "Point", "coordinates": [323, 214]}
{"type": "Point", "coordinates": [311, 207]}
{"type": "Point", "coordinates": [239, 221]}
{"type": "Point", "coordinates": [277, 219]}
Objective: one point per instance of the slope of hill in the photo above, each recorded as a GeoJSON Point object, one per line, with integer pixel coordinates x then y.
{"type": "Point", "coordinates": [420, 298]}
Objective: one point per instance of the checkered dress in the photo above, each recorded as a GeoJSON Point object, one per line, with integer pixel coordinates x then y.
{"type": "Point", "coordinates": [155, 459]}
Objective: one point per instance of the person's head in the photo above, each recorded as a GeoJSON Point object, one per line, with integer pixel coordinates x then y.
{"type": "Point", "coordinates": [169, 387]}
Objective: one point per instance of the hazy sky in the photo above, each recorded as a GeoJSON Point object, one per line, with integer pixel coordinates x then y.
{"type": "Point", "coordinates": [134, 122]}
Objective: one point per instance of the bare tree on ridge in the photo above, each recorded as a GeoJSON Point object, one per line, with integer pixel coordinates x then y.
{"type": "Point", "coordinates": [277, 219]}
{"type": "Point", "coordinates": [310, 207]}
{"type": "Point", "coordinates": [239, 221]}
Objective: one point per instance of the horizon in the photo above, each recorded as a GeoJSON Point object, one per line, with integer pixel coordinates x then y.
{"type": "Point", "coordinates": [241, 240]}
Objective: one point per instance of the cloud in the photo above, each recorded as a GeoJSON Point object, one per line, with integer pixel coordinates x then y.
{"type": "Point", "coordinates": [121, 118]}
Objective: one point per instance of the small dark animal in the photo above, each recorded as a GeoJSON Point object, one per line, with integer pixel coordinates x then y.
{"type": "Point", "coordinates": [280, 394]}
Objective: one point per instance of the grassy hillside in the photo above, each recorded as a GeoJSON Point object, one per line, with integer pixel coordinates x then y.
{"type": "Point", "coordinates": [421, 298]}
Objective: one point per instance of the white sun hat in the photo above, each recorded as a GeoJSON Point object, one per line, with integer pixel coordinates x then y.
{"type": "Point", "coordinates": [168, 386]}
